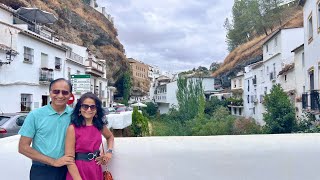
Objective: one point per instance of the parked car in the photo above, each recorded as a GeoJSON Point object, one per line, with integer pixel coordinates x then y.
{"type": "Point", "coordinates": [10, 124]}
{"type": "Point", "coordinates": [121, 109]}
{"type": "Point", "coordinates": [109, 110]}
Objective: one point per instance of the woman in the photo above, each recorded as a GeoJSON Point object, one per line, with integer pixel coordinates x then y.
{"type": "Point", "coordinates": [83, 139]}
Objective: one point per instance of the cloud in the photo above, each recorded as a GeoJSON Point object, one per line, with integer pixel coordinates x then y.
{"type": "Point", "coordinates": [175, 35]}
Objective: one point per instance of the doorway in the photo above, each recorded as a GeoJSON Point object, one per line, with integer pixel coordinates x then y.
{"type": "Point", "coordinates": [44, 100]}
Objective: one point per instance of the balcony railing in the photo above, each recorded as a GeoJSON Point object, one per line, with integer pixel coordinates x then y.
{"type": "Point", "coordinates": [94, 67]}
{"type": "Point", "coordinates": [45, 75]}
{"type": "Point", "coordinates": [310, 101]}
{"type": "Point", "coordinates": [75, 57]}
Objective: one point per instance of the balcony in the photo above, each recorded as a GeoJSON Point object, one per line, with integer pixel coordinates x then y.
{"type": "Point", "coordinates": [249, 157]}
{"type": "Point", "coordinates": [234, 102]}
{"type": "Point", "coordinates": [162, 98]}
{"type": "Point", "coordinates": [75, 57]}
{"type": "Point", "coordinates": [310, 101]}
{"type": "Point", "coordinates": [45, 76]}
{"type": "Point", "coordinates": [94, 68]}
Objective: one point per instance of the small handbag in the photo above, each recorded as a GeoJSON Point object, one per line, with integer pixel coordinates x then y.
{"type": "Point", "coordinates": [106, 174]}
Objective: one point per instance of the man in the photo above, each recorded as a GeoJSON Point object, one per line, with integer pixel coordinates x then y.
{"type": "Point", "coordinates": [46, 128]}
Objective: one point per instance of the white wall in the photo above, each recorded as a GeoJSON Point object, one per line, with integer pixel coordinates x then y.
{"type": "Point", "coordinates": [301, 80]}
{"type": "Point", "coordinates": [19, 77]}
{"type": "Point", "coordinates": [245, 157]}
{"type": "Point", "coordinates": [6, 16]}
{"type": "Point", "coordinates": [311, 49]}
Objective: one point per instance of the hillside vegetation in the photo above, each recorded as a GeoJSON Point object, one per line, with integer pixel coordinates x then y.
{"type": "Point", "coordinates": [251, 51]}
{"type": "Point", "coordinates": [80, 24]}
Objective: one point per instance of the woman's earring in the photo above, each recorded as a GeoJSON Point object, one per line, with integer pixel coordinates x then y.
{"type": "Point", "coordinates": [79, 113]}
{"type": "Point", "coordinates": [95, 116]}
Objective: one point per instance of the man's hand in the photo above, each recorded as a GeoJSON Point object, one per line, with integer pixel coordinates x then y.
{"type": "Point", "coordinates": [64, 160]}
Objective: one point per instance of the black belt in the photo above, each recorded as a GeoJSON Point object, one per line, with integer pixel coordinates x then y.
{"type": "Point", "coordinates": [87, 156]}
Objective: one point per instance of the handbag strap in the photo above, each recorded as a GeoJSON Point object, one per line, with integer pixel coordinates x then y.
{"type": "Point", "coordinates": [103, 153]}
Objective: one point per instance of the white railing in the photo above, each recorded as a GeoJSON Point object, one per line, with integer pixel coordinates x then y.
{"type": "Point", "coordinates": [249, 157]}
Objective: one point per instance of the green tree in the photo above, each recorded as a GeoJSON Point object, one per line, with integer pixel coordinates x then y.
{"type": "Point", "coordinates": [280, 114]}
{"type": "Point", "coordinates": [251, 18]}
{"type": "Point", "coordinates": [189, 96]}
{"type": "Point", "coordinates": [151, 109]}
{"type": "Point", "coordinates": [139, 125]}
{"type": "Point", "coordinates": [126, 86]}
{"type": "Point", "coordinates": [123, 85]}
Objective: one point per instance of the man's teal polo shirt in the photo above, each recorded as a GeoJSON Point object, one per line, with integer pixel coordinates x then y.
{"type": "Point", "coordinates": [48, 129]}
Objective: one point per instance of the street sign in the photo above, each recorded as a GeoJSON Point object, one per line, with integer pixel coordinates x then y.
{"type": "Point", "coordinates": [81, 83]}
{"type": "Point", "coordinates": [71, 99]}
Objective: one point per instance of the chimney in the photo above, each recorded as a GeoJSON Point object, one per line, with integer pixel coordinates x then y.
{"type": "Point", "coordinates": [92, 3]}
{"type": "Point", "coordinates": [104, 10]}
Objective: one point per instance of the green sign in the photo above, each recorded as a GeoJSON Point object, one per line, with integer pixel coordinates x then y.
{"type": "Point", "coordinates": [81, 83]}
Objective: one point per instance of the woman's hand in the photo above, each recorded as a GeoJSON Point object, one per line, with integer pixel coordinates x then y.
{"type": "Point", "coordinates": [103, 159]}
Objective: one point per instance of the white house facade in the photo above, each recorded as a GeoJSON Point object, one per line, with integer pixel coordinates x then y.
{"type": "Point", "coordinates": [311, 20]}
{"type": "Point", "coordinates": [24, 83]}
{"type": "Point", "coordinates": [300, 79]}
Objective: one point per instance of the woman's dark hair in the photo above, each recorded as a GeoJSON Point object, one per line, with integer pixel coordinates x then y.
{"type": "Point", "coordinates": [79, 121]}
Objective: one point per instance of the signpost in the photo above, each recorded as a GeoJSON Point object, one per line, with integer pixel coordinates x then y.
{"type": "Point", "coordinates": [80, 84]}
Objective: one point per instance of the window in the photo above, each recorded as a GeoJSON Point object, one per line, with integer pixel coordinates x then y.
{"type": "Point", "coordinates": [276, 41]}
{"type": "Point", "coordinates": [69, 73]}
{"type": "Point", "coordinates": [28, 55]}
{"type": "Point", "coordinates": [240, 111]}
{"type": "Point", "coordinates": [310, 28]}
{"type": "Point", "coordinates": [78, 72]}
{"type": "Point", "coordinates": [302, 57]}
{"type": "Point", "coordinates": [44, 60]}
{"type": "Point", "coordinates": [248, 85]}
{"type": "Point", "coordinates": [234, 83]}
{"type": "Point", "coordinates": [265, 90]}
{"type": "Point", "coordinates": [248, 99]}
{"type": "Point", "coordinates": [25, 102]}
{"type": "Point", "coordinates": [285, 78]}
{"type": "Point", "coordinates": [318, 6]}
{"type": "Point", "coordinates": [254, 110]}
{"type": "Point", "coordinates": [57, 63]}
{"type": "Point", "coordinates": [267, 48]}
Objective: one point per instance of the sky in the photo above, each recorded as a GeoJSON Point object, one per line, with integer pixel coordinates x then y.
{"type": "Point", "coordinates": [174, 35]}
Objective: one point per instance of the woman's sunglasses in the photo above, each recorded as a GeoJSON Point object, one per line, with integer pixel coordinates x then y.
{"type": "Point", "coordinates": [86, 107]}
{"type": "Point", "coordinates": [63, 92]}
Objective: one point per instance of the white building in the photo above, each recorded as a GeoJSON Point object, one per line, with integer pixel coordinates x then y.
{"type": "Point", "coordinates": [24, 83]}
{"type": "Point", "coordinates": [254, 92]}
{"type": "Point", "coordinates": [99, 83]}
{"type": "Point", "coordinates": [311, 21]}
{"type": "Point", "coordinates": [153, 73]}
{"type": "Point", "coordinates": [166, 89]}
{"type": "Point", "coordinates": [237, 88]}
{"type": "Point", "coordinates": [300, 79]}
{"type": "Point", "coordinates": [276, 67]}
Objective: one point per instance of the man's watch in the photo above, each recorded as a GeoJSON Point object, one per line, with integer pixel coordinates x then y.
{"type": "Point", "coordinates": [109, 151]}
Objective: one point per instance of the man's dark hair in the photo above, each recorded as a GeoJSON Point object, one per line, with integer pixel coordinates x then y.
{"type": "Point", "coordinates": [60, 79]}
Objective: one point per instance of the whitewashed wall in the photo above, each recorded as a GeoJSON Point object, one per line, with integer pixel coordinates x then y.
{"type": "Point", "coordinates": [245, 157]}
{"type": "Point", "coordinates": [300, 84]}
{"type": "Point", "coordinates": [311, 49]}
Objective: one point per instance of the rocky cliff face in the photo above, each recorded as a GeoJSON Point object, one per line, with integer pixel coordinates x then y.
{"type": "Point", "coordinates": [80, 24]}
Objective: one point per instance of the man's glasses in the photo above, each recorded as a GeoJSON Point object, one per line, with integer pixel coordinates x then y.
{"type": "Point", "coordinates": [63, 92]}
{"type": "Point", "coordinates": [86, 107]}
